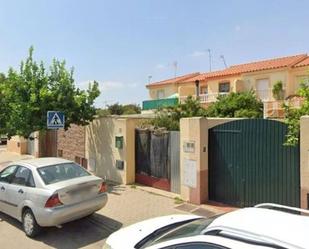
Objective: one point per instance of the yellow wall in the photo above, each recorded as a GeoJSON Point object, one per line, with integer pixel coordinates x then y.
{"type": "Point", "coordinates": [289, 78]}
{"type": "Point", "coordinates": [245, 82]}
{"type": "Point", "coordinates": [17, 144]}
{"type": "Point", "coordinates": [213, 85]}
{"type": "Point", "coordinates": [102, 152]}
{"type": "Point", "coordinates": [273, 76]}
{"type": "Point", "coordinates": [187, 89]}
{"type": "Point", "coordinates": [295, 78]}
{"type": "Point", "coordinates": [168, 90]}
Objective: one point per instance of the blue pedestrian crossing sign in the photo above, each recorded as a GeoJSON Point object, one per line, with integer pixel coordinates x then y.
{"type": "Point", "coordinates": [55, 120]}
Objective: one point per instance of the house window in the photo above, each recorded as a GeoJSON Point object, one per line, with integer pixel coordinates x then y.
{"type": "Point", "coordinates": [160, 94]}
{"type": "Point", "coordinates": [204, 89]}
{"type": "Point", "coordinates": [304, 79]}
{"type": "Point", "coordinates": [262, 89]}
{"type": "Point", "coordinates": [224, 87]}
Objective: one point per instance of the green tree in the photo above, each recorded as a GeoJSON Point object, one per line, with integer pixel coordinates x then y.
{"type": "Point", "coordinates": [118, 109]}
{"type": "Point", "coordinates": [131, 109]}
{"type": "Point", "coordinates": [169, 117]}
{"type": "Point", "coordinates": [3, 105]}
{"type": "Point", "coordinates": [33, 90]}
{"type": "Point", "coordinates": [102, 112]}
{"type": "Point", "coordinates": [292, 116]}
{"type": "Point", "coordinates": [239, 105]}
{"type": "Point", "coordinates": [115, 109]}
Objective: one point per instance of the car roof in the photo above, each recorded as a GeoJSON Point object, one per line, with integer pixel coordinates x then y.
{"type": "Point", "coordinates": [268, 224]}
{"type": "Point", "coordinates": [210, 239]}
{"type": "Point", "coordinates": [41, 162]}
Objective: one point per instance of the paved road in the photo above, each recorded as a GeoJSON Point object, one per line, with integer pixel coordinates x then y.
{"type": "Point", "coordinates": [125, 206]}
{"type": "Point", "coordinates": [8, 157]}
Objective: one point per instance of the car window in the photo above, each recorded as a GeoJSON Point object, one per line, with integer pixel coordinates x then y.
{"type": "Point", "coordinates": [159, 232]}
{"type": "Point", "coordinates": [195, 245]}
{"type": "Point", "coordinates": [6, 174]}
{"type": "Point", "coordinates": [61, 172]}
{"type": "Point", "coordinates": [30, 182]}
{"type": "Point", "coordinates": [22, 177]}
{"type": "Point", "coordinates": [193, 228]}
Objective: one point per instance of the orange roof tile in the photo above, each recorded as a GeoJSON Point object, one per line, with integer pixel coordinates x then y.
{"type": "Point", "coordinates": [303, 63]}
{"type": "Point", "coordinates": [253, 67]}
{"type": "Point", "coordinates": [173, 80]}
{"type": "Point", "coordinates": [270, 64]}
{"type": "Point", "coordinates": [276, 63]}
{"type": "Point", "coordinates": [214, 74]}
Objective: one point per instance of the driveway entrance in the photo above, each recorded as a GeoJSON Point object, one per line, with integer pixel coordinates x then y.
{"type": "Point", "coordinates": [248, 164]}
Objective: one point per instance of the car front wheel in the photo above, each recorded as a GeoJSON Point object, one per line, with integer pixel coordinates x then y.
{"type": "Point", "coordinates": [30, 226]}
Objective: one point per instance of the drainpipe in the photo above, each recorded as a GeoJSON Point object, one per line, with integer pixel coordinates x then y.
{"type": "Point", "coordinates": [197, 88]}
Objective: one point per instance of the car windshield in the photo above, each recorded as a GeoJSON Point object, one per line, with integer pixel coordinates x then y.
{"type": "Point", "coordinates": [61, 172]}
{"type": "Point", "coordinates": [192, 228]}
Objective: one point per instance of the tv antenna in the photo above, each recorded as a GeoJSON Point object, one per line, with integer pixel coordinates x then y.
{"type": "Point", "coordinates": [149, 78]}
{"type": "Point", "coordinates": [175, 65]}
{"type": "Point", "coordinates": [209, 55]}
{"type": "Point", "coordinates": [223, 59]}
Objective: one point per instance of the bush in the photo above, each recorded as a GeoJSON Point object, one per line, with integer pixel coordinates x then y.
{"type": "Point", "coordinates": [239, 105]}
{"type": "Point", "coordinates": [292, 116]}
{"type": "Point", "coordinates": [118, 109]}
{"type": "Point", "coordinates": [169, 117]}
{"type": "Point", "coordinates": [233, 105]}
{"type": "Point", "coordinates": [278, 90]}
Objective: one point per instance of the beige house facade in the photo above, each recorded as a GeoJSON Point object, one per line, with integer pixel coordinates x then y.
{"type": "Point", "coordinates": [259, 76]}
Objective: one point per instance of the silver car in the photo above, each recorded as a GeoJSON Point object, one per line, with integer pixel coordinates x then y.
{"type": "Point", "coordinates": [49, 192]}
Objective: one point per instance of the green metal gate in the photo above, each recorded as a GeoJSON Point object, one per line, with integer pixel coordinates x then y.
{"type": "Point", "coordinates": [248, 164]}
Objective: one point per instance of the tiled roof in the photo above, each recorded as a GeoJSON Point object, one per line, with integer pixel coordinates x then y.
{"type": "Point", "coordinates": [276, 63]}
{"type": "Point", "coordinates": [303, 63]}
{"type": "Point", "coordinates": [253, 67]}
{"type": "Point", "coordinates": [215, 74]}
{"type": "Point", "coordinates": [269, 64]}
{"type": "Point", "coordinates": [173, 80]}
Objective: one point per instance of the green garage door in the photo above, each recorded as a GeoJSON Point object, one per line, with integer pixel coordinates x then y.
{"type": "Point", "coordinates": [248, 164]}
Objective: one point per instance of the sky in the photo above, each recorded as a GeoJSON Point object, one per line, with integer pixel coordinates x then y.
{"type": "Point", "coordinates": [121, 43]}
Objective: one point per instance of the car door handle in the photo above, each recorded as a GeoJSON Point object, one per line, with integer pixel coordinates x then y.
{"type": "Point", "coordinates": [2, 188]}
{"type": "Point", "coordinates": [20, 191]}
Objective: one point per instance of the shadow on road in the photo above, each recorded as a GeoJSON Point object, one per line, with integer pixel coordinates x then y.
{"type": "Point", "coordinates": [76, 234]}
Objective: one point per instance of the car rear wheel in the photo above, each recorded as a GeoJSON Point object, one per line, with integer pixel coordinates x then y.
{"type": "Point", "coordinates": [30, 226]}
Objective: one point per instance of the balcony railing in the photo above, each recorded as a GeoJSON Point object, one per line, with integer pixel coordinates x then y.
{"type": "Point", "coordinates": [204, 98]}
{"type": "Point", "coordinates": [159, 103]}
{"type": "Point", "coordinates": [275, 109]}
{"type": "Point", "coordinates": [264, 95]}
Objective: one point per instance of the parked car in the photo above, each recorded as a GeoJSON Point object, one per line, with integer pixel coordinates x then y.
{"type": "Point", "coordinates": [49, 192]}
{"type": "Point", "coordinates": [3, 139]}
{"type": "Point", "coordinates": [263, 226]}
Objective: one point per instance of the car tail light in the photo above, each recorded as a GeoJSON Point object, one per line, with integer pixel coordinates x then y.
{"type": "Point", "coordinates": [53, 201]}
{"type": "Point", "coordinates": [103, 188]}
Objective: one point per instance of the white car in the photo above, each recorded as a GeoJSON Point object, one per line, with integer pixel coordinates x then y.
{"type": "Point", "coordinates": [263, 226]}
{"type": "Point", "coordinates": [49, 192]}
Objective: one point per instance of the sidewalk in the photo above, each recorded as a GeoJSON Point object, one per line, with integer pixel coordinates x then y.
{"type": "Point", "coordinates": [8, 157]}
{"type": "Point", "coordinates": [209, 209]}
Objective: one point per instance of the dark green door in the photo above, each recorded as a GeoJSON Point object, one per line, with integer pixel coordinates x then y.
{"type": "Point", "coordinates": [248, 164]}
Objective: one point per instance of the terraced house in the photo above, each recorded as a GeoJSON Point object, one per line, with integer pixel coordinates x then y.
{"type": "Point", "coordinates": [260, 76]}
